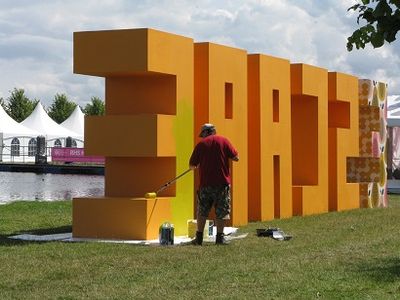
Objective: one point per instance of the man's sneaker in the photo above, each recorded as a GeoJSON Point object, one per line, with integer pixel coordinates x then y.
{"type": "Point", "coordinates": [220, 239]}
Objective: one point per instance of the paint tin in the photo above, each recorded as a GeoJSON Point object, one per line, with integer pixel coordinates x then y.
{"type": "Point", "coordinates": [166, 234]}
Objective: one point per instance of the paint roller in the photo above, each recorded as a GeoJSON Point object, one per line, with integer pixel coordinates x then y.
{"type": "Point", "coordinates": [154, 194]}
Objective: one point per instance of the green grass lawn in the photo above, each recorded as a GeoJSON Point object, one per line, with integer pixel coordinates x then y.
{"type": "Point", "coordinates": [346, 255]}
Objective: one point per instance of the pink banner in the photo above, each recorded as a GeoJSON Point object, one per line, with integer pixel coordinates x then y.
{"type": "Point", "coordinates": [73, 155]}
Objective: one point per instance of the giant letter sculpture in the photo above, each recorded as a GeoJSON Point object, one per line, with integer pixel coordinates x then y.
{"type": "Point", "coordinates": [295, 127]}
{"type": "Point", "coordinates": [145, 134]}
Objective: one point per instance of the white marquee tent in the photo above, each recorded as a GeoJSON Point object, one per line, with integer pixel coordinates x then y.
{"type": "Point", "coordinates": [11, 128]}
{"type": "Point", "coordinates": [40, 121]}
{"type": "Point", "coordinates": [14, 138]}
{"type": "Point", "coordinates": [393, 123]}
{"type": "Point", "coordinates": [393, 111]}
{"type": "Point", "coordinates": [75, 122]}
{"type": "Point", "coordinates": [18, 140]}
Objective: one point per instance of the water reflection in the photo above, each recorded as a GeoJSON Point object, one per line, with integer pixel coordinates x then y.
{"type": "Point", "coordinates": [30, 186]}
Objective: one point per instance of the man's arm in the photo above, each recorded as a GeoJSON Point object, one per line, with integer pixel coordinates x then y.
{"type": "Point", "coordinates": [194, 159]}
{"type": "Point", "coordinates": [232, 153]}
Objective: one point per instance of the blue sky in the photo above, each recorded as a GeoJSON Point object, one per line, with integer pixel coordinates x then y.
{"type": "Point", "coordinates": [36, 37]}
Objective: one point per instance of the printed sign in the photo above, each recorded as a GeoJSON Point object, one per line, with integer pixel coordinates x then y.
{"type": "Point", "coordinates": [73, 155]}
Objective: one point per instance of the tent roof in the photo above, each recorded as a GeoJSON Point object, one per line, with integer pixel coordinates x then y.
{"type": "Point", "coordinates": [40, 121]}
{"type": "Point", "coordinates": [393, 111]}
{"type": "Point", "coordinates": [9, 126]}
{"type": "Point", "coordinates": [75, 122]}
{"type": "Point", "coordinates": [393, 102]}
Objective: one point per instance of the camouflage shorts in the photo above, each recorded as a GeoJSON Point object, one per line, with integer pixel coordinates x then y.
{"type": "Point", "coordinates": [217, 196]}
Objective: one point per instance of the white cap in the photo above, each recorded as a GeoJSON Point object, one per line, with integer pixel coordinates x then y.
{"type": "Point", "coordinates": [207, 129]}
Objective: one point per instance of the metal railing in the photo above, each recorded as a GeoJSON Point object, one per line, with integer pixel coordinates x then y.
{"type": "Point", "coordinates": [23, 150]}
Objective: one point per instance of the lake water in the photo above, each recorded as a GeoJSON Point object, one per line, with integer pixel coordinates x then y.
{"type": "Point", "coordinates": [50, 187]}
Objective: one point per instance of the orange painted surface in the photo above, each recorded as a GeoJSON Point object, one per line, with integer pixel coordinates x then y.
{"type": "Point", "coordinates": [297, 192]}
{"type": "Point", "coordinates": [119, 218]}
{"type": "Point", "coordinates": [309, 89]}
{"type": "Point", "coordinates": [136, 183]}
{"type": "Point", "coordinates": [113, 131]}
{"type": "Point", "coordinates": [146, 132]}
{"type": "Point", "coordinates": [269, 138]}
{"type": "Point", "coordinates": [216, 69]}
{"type": "Point", "coordinates": [111, 52]}
{"type": "Point", "coordinates": [343, 139]}
{"type": "Point", "coordinates": [133, 95]}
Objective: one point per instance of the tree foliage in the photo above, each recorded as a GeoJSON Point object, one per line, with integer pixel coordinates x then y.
{"type": "Point", "coordinates": [383, 23]}
{"type": "Point", "coordinates": [3, 103]}
{"type": "Point", "coordinates": [61, 108]}
{"type": "Point", "coordinates": [19, 106]}
{"type": "Point", "coordinates": [95, 108]}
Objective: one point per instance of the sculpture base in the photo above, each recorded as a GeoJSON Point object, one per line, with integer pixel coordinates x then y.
{"type": "Point", "coordinates": [119, 217]}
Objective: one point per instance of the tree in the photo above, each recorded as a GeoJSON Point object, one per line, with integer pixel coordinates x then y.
{"type": "Point", "coordinates": [18, 106]}
{"type": "Point", "coordinates": [95, 108]}
{"type": "Point", "coordinates": [61, 108]}
{"type": "Point", "coordinates": [383, 23]}
{"type": "Point", "coordinates": [3, 104]}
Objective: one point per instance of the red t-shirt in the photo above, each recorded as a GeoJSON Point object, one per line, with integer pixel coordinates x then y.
{"type": "Point", "coordinates": [212, 155]}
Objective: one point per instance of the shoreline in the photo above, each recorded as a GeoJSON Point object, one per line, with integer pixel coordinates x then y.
{"type": "Point", "coordinates": [53, 168]}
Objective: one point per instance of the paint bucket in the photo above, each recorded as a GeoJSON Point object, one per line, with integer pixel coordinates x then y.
{"type": "Point", "coordinates": [166, 234]}
{"type": "Point", "coordinates": [192, 228]}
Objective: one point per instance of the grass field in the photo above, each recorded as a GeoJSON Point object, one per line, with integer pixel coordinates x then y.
{"type": "Point", "coordinates": [347, 255]}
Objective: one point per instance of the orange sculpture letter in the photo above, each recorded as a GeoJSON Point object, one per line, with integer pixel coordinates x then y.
{"type": "Point", "coordinates": [221, 99]}
{"type": "Point", "coordinates": [145, 134]}
{"type": "Point", "coordinates": [270, 157]}
{"type": "Point", "coordinates": [309, 86]}
{"type": "Point", "coordinates": [343, 139]}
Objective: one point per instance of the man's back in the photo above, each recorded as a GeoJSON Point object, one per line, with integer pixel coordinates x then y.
{"type": "Point", "coordinates": [212, 154]}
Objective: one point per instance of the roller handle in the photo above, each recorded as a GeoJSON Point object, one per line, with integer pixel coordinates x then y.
{"type": "Point", "coordinates": [172, 181]}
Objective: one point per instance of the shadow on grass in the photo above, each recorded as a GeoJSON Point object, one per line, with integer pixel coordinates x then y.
{"type": "Point", "coordinates": [385, 270]}
{"type": "Point", "coordinates": [5, 239]}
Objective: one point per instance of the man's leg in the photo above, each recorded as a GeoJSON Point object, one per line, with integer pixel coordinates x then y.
{"type": "Point", "coordinates": [220, 225]}
{"type": "Point", "coordinates": [201, 222]}
{"type": "Point", "coordinates": [222, 211]}
{"type": "Point", "coordinates": [203, 208]}
{"type": "Point", "coordinates": [220, 239]}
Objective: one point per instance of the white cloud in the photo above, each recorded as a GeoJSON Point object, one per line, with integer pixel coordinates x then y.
{"type": "Point", "coordinates": [36, 37]}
